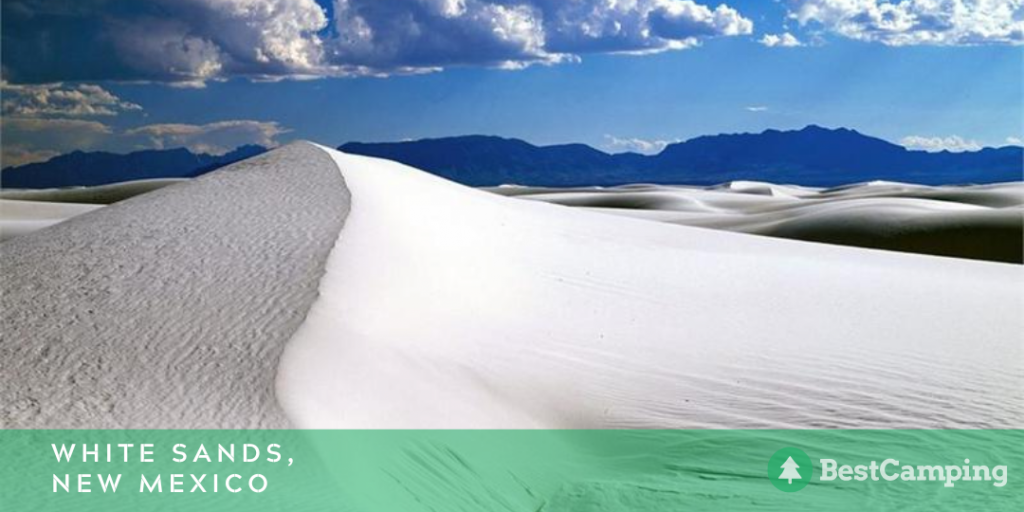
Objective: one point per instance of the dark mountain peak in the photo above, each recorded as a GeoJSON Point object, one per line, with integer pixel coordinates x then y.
{"type": "Point", "coordinates": [815, 128]}
{"type": "Point", "coordinates": [818, 129]}
{"type": "Point", "coordinates": [575, 148]}
{"type": "Point", "coordinates": [811, 136]}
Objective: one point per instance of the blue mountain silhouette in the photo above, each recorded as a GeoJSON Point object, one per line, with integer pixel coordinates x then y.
{"type": "Point", "coordinates": [813, 156]}
{"type": "Point", "coordinates": [81, 168]}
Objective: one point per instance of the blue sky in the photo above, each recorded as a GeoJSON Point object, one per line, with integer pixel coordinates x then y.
{"type": "Point", "coordinates": [634, 78]}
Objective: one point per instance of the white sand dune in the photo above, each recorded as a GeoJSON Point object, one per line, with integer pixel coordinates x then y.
{"type": "Point", "coordinates": [99, 194]}
{"type": "Point", "coordinates": [170, 309]}
{"type": "Point", "coordinates": [444, 306]}
{"type": "Point", "coordinates": [979, 222]}
{"type": "Point", "coordinates": [23, 217]}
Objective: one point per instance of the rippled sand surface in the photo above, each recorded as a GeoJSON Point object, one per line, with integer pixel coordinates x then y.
{"type": "Point", "coordinates": [170, 309]}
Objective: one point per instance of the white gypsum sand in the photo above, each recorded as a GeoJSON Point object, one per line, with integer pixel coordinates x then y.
{"type": "Point", "coordinates": [171, 309]}
{"type": "Point", "coordinates": [444, 306]}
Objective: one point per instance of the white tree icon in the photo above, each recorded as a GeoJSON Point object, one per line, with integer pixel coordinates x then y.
{"type": "Point", "coordinates": [789, 470]}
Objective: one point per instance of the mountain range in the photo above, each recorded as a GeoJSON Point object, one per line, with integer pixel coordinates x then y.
{"type": "Point", "coordinates": [80, 168]}
{"type": "Point", "coordinates": [812, 156]}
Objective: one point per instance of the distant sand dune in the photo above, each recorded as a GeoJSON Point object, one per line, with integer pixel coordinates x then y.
{"type": "Point", "coordinates": [23, 217]}
{"type": "Point", "coordinates": [100, 194]}
{"type": "Point", "coordinates": [983, 222]}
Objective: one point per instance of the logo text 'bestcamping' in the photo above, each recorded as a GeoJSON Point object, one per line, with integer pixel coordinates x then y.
{"type": "Point", "coordinates": [891, 470]}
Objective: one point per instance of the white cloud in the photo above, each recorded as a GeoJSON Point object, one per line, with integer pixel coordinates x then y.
{"type": "Point", "coordinates": [405, 35]}
{"type": "Point", "coordinates": [784, 39]}
{"type": "Point", "coordinates": [61, 100]}
{"type": "Point", "coordinates": [756, 108]}
{"type": "Point", "coordinates": [421, 34]}
{"type": "Point", "coordinates": [41, 138]}
{"type": "Point", "coordinates": [201, 39]}
{"type": "Point", "coordinates": [643, 146]}
{"type": "Point", "coordinates": [191, 41]}
{"type": "Point", "coordinates": [953, 143]}
{"type": "Point", "coordinates": [1015, 141]}
{"type": "Point", "coordinates": [77, 132]}
{"type": "Point", "coordinates": [15, 155]}
{"type": "Point", "coordinates": [214, 138]}
{"type": "Point", "coordinates": [916, 22]}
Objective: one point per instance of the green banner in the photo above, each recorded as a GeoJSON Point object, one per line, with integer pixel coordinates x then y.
{"type": "Point", "coordinates": [528, 470]}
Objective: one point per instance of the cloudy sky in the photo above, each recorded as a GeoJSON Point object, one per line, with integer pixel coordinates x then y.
{"type": "Point", "coordinates": [620, 75]}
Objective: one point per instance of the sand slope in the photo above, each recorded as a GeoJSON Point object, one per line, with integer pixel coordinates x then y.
{"type": "Point", "coordinates": [171, 309]}
{"type": "Point", "coordinates": [444, 306]}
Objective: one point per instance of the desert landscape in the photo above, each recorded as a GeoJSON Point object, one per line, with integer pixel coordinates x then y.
{"type": "Point", "coordinates": [511, 255]}
{"type": "Point", "coordinates": [316, 289]}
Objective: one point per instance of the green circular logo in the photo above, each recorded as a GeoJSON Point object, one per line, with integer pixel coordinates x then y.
{"type": "Point", "coordinates": [790, 469]}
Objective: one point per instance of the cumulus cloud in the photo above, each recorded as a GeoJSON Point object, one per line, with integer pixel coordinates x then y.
{"type": "Point", "coordinates": [67, 132]}
{"type": "Point", "coordinates": [643, 146]}
{"type": "Point", "coordinates": [784, 39]}
{"type": "Point", "coordinates": [213, 138]}
{"type": "Point", "coordinates": [61, 100]}
{"type": "Point", "coordinates": [200, 39]}
{"type": "Point", "coordinates": [917, 22]}
{"type": "Point", "coordinates": [953, 143]}
{"type": "Point", "coordinates": [161, 40]}
{"type": "Point", "coordinates": [1015, 141]}
{"type": "Point", "coordinates": [404, 34]}
{"type": "Point", "coordinates": [15, 154]}
{"type": "Point", "coordinates": [756, 108]}
{"type": "Point", "coordinates": [39, 139]}
{"type": "Point", "coordinates": [637, 26]}
{"type": "Point", "coordinates": [190, 41]}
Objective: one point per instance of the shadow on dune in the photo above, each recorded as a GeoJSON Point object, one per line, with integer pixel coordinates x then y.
{"type": "Point", "coordinates": [993, 239]}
